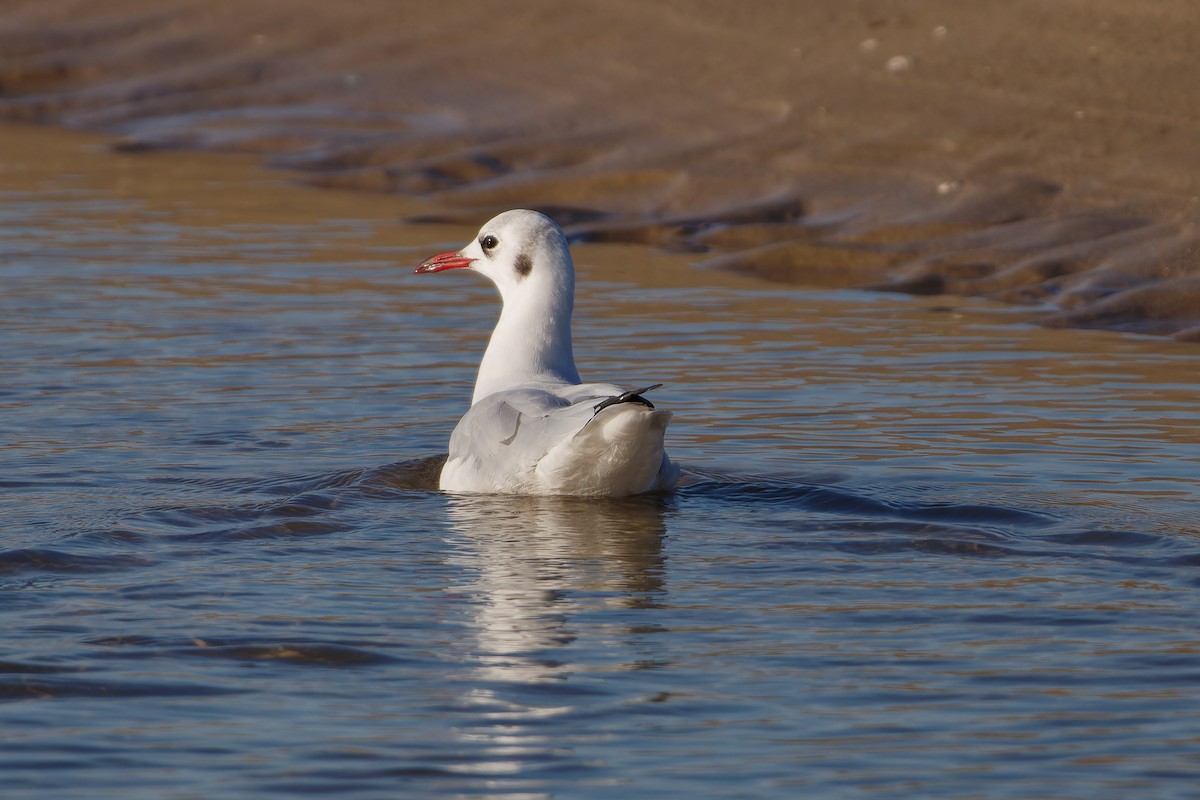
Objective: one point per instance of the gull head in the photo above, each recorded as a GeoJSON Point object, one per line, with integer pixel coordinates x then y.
{"type": "Point", "coordinates": [523, 252]}
{"type": "Point", "coordinates": [526, 255]}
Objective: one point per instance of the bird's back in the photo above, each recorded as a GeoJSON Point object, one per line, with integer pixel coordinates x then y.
{"type": "Point", "coordinates": [533, 440]}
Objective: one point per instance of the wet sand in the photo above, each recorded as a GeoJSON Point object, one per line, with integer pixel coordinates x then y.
{"type": "Point", "coordinates": [1031, 152]}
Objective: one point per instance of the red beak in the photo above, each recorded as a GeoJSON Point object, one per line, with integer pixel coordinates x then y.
{"type": "Point", "coordinates": [438, 263]}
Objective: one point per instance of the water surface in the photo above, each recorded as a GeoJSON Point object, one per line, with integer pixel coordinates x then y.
{"type": "Point", "coordinates": [923, 548]}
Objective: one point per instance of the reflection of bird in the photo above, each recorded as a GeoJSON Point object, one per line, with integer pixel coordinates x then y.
{"type": "Point", "coordinates": [535, 562]}
{"type": "Point", "coordinates": [533, 428]}
{"type": "Point", "coordinates": [535, 572]}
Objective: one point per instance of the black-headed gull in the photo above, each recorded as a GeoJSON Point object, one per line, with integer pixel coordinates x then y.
{"type": "Point", "coordinates": [533, 427]}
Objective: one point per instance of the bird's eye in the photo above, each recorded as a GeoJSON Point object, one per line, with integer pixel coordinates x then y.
{"type": "Point", "coordinates": [488, 242]}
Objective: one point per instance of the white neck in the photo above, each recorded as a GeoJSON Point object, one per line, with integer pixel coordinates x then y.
{"type": "Point", "coordinates": [531, 344]}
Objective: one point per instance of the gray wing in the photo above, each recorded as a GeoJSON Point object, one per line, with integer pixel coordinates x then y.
{"type": "Point", "coordinates": [509, 432]}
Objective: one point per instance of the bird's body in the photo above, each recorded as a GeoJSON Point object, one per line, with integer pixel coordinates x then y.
{"type": "Point", "coordinates": [533, 427]}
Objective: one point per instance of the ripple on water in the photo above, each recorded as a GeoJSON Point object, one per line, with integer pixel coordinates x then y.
{"type": "Point", "coordinates": [47, 560]}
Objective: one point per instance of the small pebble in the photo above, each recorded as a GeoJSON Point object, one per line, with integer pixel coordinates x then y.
{"type": "Point", "coordinates": [899, 63]}
{"type": "Point", "coordinates": [867, 45]}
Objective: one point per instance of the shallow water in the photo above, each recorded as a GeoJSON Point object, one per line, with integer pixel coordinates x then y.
{"type": "Point", "coordinates": [923, 548]}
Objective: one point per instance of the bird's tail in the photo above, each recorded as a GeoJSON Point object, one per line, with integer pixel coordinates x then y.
{"type": "Point", "coordinates": [618, 452]}
{"type": "Point", "coordinates": [632, 396]}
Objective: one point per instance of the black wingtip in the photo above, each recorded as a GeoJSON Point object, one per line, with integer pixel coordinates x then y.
{"type": "Point", "coordinates": [632, 396]}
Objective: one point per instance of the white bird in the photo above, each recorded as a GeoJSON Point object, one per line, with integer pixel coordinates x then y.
{"type": "Point", "coordinates": [533, 427]}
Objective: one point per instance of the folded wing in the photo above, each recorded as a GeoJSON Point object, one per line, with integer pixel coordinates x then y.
{"type": "Point", "coordinates": [570, 440]}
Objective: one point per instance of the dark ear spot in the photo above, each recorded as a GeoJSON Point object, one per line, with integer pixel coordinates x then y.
{"type": "Point", "coordinates": [523, 264]}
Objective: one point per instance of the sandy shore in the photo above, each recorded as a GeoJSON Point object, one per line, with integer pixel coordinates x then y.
{"type": "Point", "coordinates": [1031, 151]}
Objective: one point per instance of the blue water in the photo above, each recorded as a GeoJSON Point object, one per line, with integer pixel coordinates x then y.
{"type": "Point", "coordinates": [923, 548]}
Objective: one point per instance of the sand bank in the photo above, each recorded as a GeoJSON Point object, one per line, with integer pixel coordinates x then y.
{"type": "Point", "coordinates": [1030, 151]}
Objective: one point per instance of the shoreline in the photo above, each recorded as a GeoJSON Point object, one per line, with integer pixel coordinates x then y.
{"type": "Point", "coordinates": [1032, 155]}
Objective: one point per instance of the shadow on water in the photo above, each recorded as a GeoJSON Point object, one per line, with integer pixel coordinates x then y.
{"type": "Point", "coordinates": [825, 499]}
{"type": "Point", "coordinates": [826, 510]}
{"type": "Point", "coordinates": [298, 505]}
